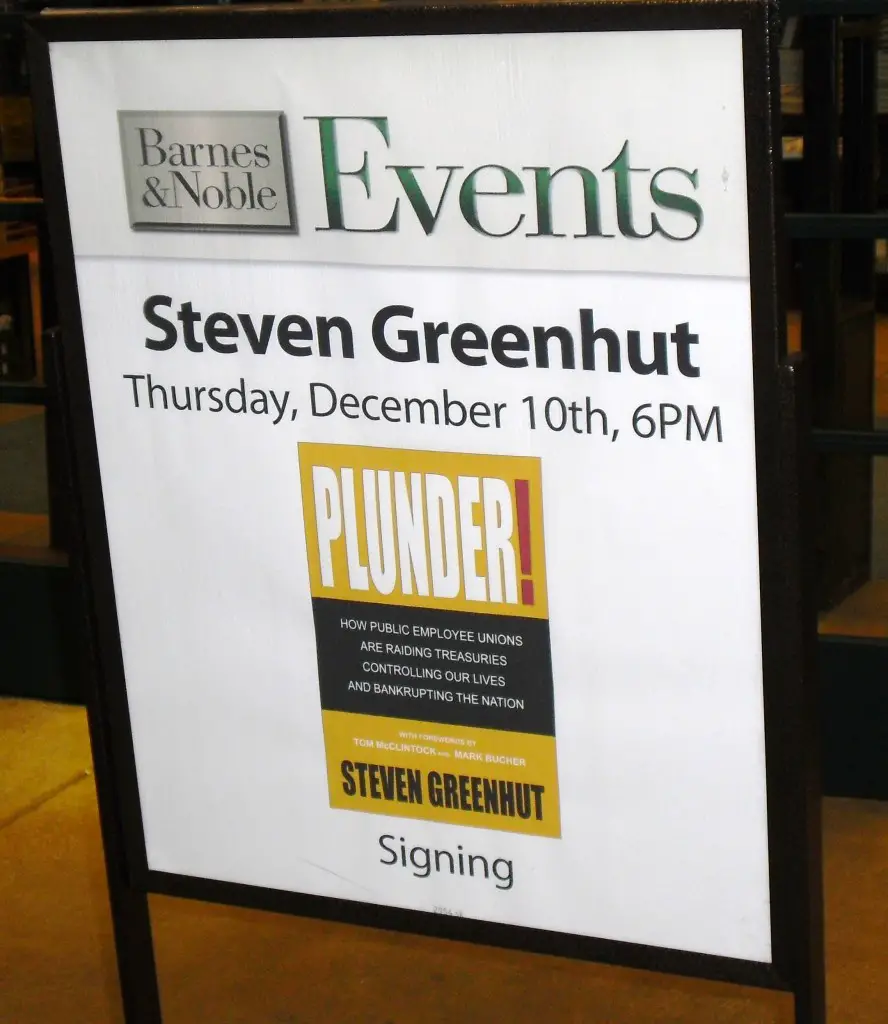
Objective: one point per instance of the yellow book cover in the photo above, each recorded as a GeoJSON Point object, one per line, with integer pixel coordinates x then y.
{"type": "Point", "coordinates": [428, 584]}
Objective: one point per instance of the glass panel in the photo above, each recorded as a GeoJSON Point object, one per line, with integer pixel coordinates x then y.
{"type": "Point", "coordinates": [793, 331]}
{"type": "Point", "coordinates": [845, 331]}
{"type": "Point", "coordinates": [852, 545]}
{"type": "Point", "coordinates": [24, 501]}
{"type": "Point", "coordinates": [791, 80]}
{"type": "Point", "coordinates": [23, 475]}
{"type": "Point", "coordinates": [880, 372]}
{"type": "Point", "coordinates": [882, 67]}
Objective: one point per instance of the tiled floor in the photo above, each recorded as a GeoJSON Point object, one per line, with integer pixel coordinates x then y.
{"type": "Point", "coordinates": [224, 966]}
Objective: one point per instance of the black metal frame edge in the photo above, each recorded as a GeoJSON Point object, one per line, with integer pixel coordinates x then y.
{"type": "Point", "coordinates": [840, 639]}
{"type": "Point", "coordinates": [99, 645]}
{"type": "Point", "coordinates": [801, 746]}
{"type": "Point", "coordinates": [12, 210]}
{"type": "Point", "coordinates": [130, 914]}
{"type": "Point", "coordinates": [833, 8]}
{"type": "Point", "coordinates": [90, 548]}
{"type": "Point", "coordinates": [785, 779]}
{"type": "Point", "coordinates": [485, 933]}
{"type": "Point", "coordinates": [837, 225]}
{"type": "Point", "coordinates": [851, 442]}
{"type": "Point", "coordinates": [445, 17]}
{"type": "Point", "coordinates": [788, 637]}
{"type": "Point", "coordinates": [23, 394]}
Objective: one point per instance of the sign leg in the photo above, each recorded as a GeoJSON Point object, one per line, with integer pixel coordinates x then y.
{"type": "Point", "coordinates": [136, 969]}
{"type": "Point", "coordinates": [130, 915]}
{"type": "Point", "coordinates": [806, 900]}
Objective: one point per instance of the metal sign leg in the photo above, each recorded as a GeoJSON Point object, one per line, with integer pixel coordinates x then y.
{"type": "Point", "coordinates": [806, 898]}
{"type": "Point", "coordinates": [130, 915]}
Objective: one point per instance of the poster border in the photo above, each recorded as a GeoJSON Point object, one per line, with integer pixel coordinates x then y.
{"type": "Point", "coordinates": [794, 846]}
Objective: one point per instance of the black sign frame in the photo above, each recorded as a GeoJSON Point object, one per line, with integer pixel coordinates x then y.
{"type": "Point", "coordinates": [787, 620]}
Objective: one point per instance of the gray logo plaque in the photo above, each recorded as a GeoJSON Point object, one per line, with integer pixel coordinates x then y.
{"type": "Point", "coordinates": [207, 170]}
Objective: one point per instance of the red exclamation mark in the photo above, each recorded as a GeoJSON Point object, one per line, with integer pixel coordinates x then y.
{"type": "Point", "coordinates": [522, 504]}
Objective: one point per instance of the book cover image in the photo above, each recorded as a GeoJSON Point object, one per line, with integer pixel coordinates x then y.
{"type": "Point", "coordinates": [428, 585]}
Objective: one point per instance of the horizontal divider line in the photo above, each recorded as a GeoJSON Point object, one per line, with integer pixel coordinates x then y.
{"type": "Point", "coordinates": [837, 225]}
{"type": "Point", "coordinates": [851, 442]}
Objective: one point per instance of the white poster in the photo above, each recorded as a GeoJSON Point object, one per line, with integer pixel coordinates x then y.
{"type": "Point", "coordinates": [422, 379]}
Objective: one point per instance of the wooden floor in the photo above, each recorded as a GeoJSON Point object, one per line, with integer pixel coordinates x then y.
{"type": "Point", "coordinates": [220, 965]}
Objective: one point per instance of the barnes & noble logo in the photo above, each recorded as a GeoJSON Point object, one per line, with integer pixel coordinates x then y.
{"type": "Point", "coordinates": [229, 171]}
{"type": "Point", "coordinates": [209, 170]}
